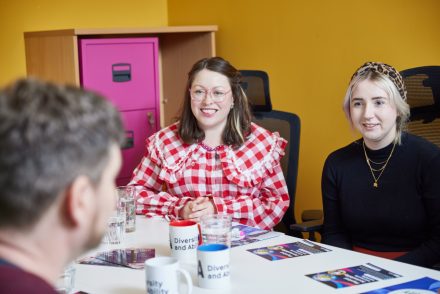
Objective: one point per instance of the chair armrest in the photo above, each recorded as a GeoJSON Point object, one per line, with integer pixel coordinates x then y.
{"type": "Point", "coordinates": [309, 226]}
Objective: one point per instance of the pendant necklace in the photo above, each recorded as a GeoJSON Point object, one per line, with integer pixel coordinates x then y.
{"type": "Point", "coordinates": [382, 169]}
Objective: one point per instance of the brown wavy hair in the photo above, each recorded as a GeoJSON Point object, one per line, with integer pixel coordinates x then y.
{"type": "Point", "coordinates": [239, 118]}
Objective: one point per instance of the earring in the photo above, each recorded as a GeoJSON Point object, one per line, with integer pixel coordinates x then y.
{"type": "Point", "coordinates": [232, 105]}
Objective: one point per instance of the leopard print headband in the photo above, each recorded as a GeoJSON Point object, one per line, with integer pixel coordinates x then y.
{"type": "Point", "coordinates": [384, 69]}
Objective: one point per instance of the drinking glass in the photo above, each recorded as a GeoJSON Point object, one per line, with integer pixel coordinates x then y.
{"type": "Point", "coordinates": [127, 203]}
{"type": "Point", "coordinates": [116, 223]}
{"type": "Point", "coordinates": [216, 229]}
{"type": "Point", "coordinates": [66, 281]}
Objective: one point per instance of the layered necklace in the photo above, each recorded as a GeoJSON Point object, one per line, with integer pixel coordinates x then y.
{"type": "Point", "coordinates": [381, 169]}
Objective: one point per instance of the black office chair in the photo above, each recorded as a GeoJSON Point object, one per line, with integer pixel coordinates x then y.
{"type": "Point", "coordinates": [256, 85]}
{"type": "Point", "coordinates": [423, 86]}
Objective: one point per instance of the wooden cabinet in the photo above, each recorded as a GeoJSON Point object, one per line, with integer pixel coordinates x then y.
{"type": "Point", "coordinates": [142, 71]}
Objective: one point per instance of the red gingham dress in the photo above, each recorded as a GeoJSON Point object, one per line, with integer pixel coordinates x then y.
{"type": "Point", "coordinates": [247, 183]}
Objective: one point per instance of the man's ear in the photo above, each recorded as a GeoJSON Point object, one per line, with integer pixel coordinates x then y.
{"type": "Point", "coordinates": [79, 198]}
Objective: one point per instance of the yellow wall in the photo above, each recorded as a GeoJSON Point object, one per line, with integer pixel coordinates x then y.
{"type": "Point", "coordinates": [310, 50]}
{"type": "Point", "coordinates": [18, 16]}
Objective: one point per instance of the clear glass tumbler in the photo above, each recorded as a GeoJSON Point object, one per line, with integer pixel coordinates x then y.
{"type": "Point", "coordinates": [66, 281]}
{"type": "Point", "coordinates": [216, 229]}
{"type": "Point", "coordinates": [126, 202]}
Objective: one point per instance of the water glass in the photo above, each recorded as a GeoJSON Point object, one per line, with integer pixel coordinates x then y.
{"type": "Point", "coordinates": [66, 281]}
{"type": "Point", "coordinates": [216, 229]}
{"type": "Point", "coordinates": [126, 203]}
{"type": "Point", "coordinates": [115, 229]}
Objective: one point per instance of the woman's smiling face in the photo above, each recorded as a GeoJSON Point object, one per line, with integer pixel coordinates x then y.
{"type": "Point", "coordinates": [211, 113]}
{"type": "Point", "coordinates": [373, 114]}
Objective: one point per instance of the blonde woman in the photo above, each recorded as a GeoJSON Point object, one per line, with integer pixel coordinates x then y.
{"type": "Point", "coordinates": [381, 193]}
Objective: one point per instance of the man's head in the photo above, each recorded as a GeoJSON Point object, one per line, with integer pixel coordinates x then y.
{"type": "Point", "coordinates": [55, 142]}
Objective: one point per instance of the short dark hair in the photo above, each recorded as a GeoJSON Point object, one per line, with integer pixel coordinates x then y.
{"type": "Point", "coordinates": [240, 117]}
{"type": "Point", "coordinates": [49, 135]}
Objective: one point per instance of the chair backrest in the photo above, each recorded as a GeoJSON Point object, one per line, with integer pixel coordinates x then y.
{"type": "Point", "coordinates": [288, 126]}
{"type": "Point", "coordinates": [423, 86]}
{"type": "Point", "coordinates": [255, 83]}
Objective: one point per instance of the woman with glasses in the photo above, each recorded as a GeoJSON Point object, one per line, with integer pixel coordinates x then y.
{"type": "Point", "coordinates": [381, 193]}
{"type": "Point", "coordinates": [214, 159]}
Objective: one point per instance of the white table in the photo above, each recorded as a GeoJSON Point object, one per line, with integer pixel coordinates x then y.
{"type": "Point", "coordinates": [249, 272]}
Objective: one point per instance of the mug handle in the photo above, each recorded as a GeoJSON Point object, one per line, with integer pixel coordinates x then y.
{"type": "Point", "coordinates": [200, 234]}
{"type": "Point", "coordinates": [187, 279]}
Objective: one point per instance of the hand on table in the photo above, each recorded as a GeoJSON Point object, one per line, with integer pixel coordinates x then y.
{"type": "Point", "coordinates": [195, 209]}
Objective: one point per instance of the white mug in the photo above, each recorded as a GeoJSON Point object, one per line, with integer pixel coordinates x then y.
{"type": "Point", "coordinates": [162, 275]}
{"type": "Point", "coordinates": [184, 239]}
{"type": "Point", "coordinates": [213, 266]}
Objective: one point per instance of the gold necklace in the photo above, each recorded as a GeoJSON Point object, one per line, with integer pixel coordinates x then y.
{"type": "Point", "coordinates": [378, 163]}
{"type": "Point", "coordinates": [375, 185]}
{"type": "Point", "coordinates": [378, 169]}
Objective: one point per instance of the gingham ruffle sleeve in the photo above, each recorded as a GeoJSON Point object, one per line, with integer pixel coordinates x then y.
{"type": "Point", "coordinates": [161, 166]}
{"type": "Point", "coordinates": [169, 153]}
{"type": "Point", "coordinates": [255, 159]}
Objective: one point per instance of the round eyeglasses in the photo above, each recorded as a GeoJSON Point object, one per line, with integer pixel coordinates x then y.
{"type": "Point", "coordinates": [199, 93]}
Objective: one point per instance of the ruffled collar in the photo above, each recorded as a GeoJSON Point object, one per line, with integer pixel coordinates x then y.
{"type": "Point", "coordinates": [244, 166]}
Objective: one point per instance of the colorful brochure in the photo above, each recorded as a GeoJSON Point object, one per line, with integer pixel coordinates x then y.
{"type": "Point", "coordinates": [353, 276]}
{"type": "Point", "coordinates": [128, 257]}
{"type": "Point", "coordinates": [242, 235]}
{"type": "Point", "coordinates": [289, 250]}
{"type": "Point", "coordinates": [421, 286]}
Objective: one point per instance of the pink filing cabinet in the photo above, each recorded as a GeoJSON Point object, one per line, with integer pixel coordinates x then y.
{"type": "Point", "coordinates": [125, 70]}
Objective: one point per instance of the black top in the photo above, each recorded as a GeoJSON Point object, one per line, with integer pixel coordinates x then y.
{"type": "Point", "coordinates": [401, 214]}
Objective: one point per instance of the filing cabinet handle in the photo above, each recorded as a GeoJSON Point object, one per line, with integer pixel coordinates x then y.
{"type": "Point", "coordinates": [121, 72]}
{"type": "Point", "coordinates": [129, 140]}
{"type": "Point", "coordinates": [151, 120]}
